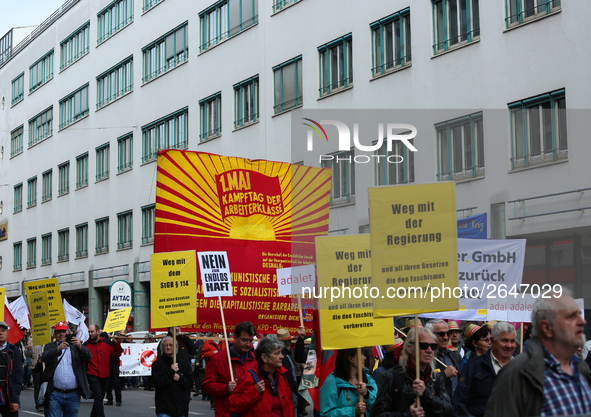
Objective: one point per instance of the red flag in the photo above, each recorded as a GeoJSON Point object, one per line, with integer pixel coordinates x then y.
{"type": "Point", "coordinates": [14, 333]}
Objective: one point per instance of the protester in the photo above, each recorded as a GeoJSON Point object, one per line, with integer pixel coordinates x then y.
{"type": "Point", "coordinates": [173, 381]}
{"type": "Point", "coordinates": [65, 373]}
{"type": "Point", "coordinates": [199, 371]}
{"type": "Point", "coordinates": [11, 374]}
{"type": "Point", "coordinates": [479, 374]}
{"type": "Point", "coordinates": [114, 382]}
{"type": "Point", "coordinates": [290, 356]}
{"type": "Point", "coordinates": [477, 341]}
{"type": "Point", "coordinates": [210, 348]}
{"type": "Point", "coordinates": [217, 380]}
{"type": "Point", "coordinates": [547, 379]}
{"type": "Point", "coordinates": [457, 342]}
{"type": "Point", "coordinates": [399, 389]}
{"type": "Point", "coordinates": [339, 395]}
{"type": "Point", "coordinates": [26, 346]}
{"type": "Point", "coordinates": [264, 390]}
{"type": "Point", "coordinates": [147, 380]}
{"type": "Point", "coordinates": [98, 367]}
{"type": "Point", "coordinates": [37, 374]}
{"type": "Point", "coordinates": [451, 366]}
{"type": "Point", "coordinates": [187, 347]}
{"type": "Point", "coordinates": [391, 356]}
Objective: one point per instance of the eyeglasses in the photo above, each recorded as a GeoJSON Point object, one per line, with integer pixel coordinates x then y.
{"type": "Point", "coordinates": [443, 334]}
{"type": "Point", "coordinates": [425, 346]}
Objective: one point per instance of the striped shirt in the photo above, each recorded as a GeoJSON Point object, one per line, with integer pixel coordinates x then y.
{"type": "Point", "coordinates": [564, 394]}
{"type": "Point", "coordinates": [64, 377]}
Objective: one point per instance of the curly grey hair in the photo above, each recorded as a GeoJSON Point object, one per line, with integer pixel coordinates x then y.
{"type": "Point", "coordinates": [501, 327]}
{"type": "Point", "coordinates": [267, 345]}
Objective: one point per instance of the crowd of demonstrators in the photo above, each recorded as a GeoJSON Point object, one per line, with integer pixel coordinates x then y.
{"type": "Point", "coordinates": [448, 363]}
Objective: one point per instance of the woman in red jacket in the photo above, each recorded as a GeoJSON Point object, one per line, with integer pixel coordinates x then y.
{"type": "Point", "coordinates": [264, 390]}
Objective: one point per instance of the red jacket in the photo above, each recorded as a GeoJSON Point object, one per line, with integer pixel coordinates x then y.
{"type": "Point", "coordinates": [247, 400]}
{"type": "Point", "coordinates": [217, 376]}
{"type": "Point", "coordinates": [209, 347]}
{"type": "Point", "coordinates": [101, 350]}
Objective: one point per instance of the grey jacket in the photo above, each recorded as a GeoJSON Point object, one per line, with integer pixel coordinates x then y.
{"type": "Point", "coordinates": [519, 387]}
{"type": "Point", "coordinates": [79, 360]}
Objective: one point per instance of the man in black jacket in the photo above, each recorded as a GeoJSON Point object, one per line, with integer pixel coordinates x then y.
{"type": "Point", "coordinates": [450, 370]}
{"type": "Point", "coordinates": [173, 381]}
{"type": "Point", "coordinates": [11, 371]}
{"type": "Point", "coordinates": [290, 357]}
{"type": "Point", "coordinates": [65, 373]}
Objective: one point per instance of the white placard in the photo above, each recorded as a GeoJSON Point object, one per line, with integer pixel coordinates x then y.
{"type": "Point", "coordinates": [137, 359]}
{"type": "Point", "coordinates": [290, 281]}
{"type": "Point", "coordinates": [120, 295]}
{"type": "Point", "coordinates": [215, 274]}
{"type": "Point", "coordinates": [519, 308]}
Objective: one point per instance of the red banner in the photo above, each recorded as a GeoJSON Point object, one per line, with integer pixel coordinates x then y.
{"type": "Point", "coordinates": [264, 214]}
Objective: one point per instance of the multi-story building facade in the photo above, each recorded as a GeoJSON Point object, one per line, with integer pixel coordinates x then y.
{"type": "Point", "coordinates": [498, 92]}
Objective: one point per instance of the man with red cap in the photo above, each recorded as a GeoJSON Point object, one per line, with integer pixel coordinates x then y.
{"type": "Point", "coordinates": [98, 367]}
{"type": "Point", "coordinates": [65, 373]}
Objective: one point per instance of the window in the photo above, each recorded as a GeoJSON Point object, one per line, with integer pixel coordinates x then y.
{"type": "Point", "coordinates": [74, 46]}
{"type": "Point", "coordinates": [280, 4]}
{"type": "Point", "coordinates": [82, 171]}
{"type": "Point", "coordinates": [114, 83]}
{"type": "Point", "coordinates": [288, 85]}
{"type": "Point", "coordinates": [46, 249]}
{"type": "Point", "coordinates": [64, 178]}
{"type": "Point", "coordinates": [82, 240]}
{"type": "Point", "coordinates": [165, 53]}
{"type": "Point", "coordinates": [125, 148]}
{"type": "Point", "coordinates": [16, 141]}
{"type": "Point", "coordinates": [521, 11]}
{"type": "Point", "coordinates": [31, 253]}
{"type": "Point", "coordinates": [113, 18]}
{"type": "Point", "coordinates": [538, 129]}
{"type": "Point", "coordinates": [17, 252]}
{"type": "Point", "coordinates": [246, 102]}
{"type": "Point", "coordinates": [170, 132]}
{"type": "Point", "coordinates": [148, 223]}
{"type": "Point", "coordinates": [396, 166]}
{"type": "Point", "coordinates": [211, 117]}
{"type": "Point", "coordinates": [41, 126]}
{"type": "Point", "coordinates": [18, 89]}
{"type": "Point", "coordinates": [102, 235]}
{"type": "Point", "coordinates": [102, 162]}
{"type": "Point", "coordinates": [343, 177]}
{"type": "Point", "coordinates": [390, 39]}
{"type": "Point", "coordinates": [148, 4]}
{"type": "Point", "coordinates": [41, 71]}
{"type": "Point", "coordinates": [32, 192]}
{"type": "Point", "coordinates": [74, 107]}
{"type": "Point", "coordinates": [460, 145]}
{"type": "Point", "coordinates": [456, 22]}
{"type": "Point", "coordinates": [336, 65]}
{"type": "Point", "coordinates": [46, 180]}
{"type": "Point", "coordinates": [124, 230]}
{"type": "Point", "coordinates": [63, 245]}
{"type": "Point", "coordinates": [18, 197]}
{"type": "Point", "coordinates": [225, 19]}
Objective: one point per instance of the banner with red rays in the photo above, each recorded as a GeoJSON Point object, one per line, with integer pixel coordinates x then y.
{"type": "Point", "coordinates": [264, 214]}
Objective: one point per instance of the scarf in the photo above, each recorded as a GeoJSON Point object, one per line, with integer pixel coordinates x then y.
{"type": "Point", "coordinates": [411, 369]}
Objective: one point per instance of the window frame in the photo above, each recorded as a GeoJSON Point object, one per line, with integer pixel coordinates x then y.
{"type": "Point", "coordinates": [112, 79]}
{"type": "Point", "coordinates": [46, 185]}
{"type": "Point", "coordinates": [17, 255]}
{"type": "Point", "coordinates": [149, 5]}
{"type": "Point", "coordinates": [68, 116]}
{"type": "Point", "coordinates": [211, 37]}
{"type": "Point", "coordinates": [471, 18]}
{"type": "Point", "coordinates": [32, 192]}
{"type": "Point", "coordinates": [76, 46]}
{"type": "Point", "coordinates": [298, 100]}
{"type": "Point", "coordinates": [548, 10]}
{"type": "Point", "coordinates": [102, 236]}
{"type": "Point", "coordinates": [125, 230]}
{"type": "Point", "coordinates": [82, 171]}
{"type": "Point", "coordinates": [205, 133]}
{"type": "Point", "coordinates": [158, 55]}
{"type": "Point", "coordinates": [279, 5]}
{"type": "Point", "coordinates": [63, 180]}
{"type": "Point", "coordinates": [125, 153]}
{"type": "Point", "coordinates": [476, 148]}
{"type": "Point", "coordinates": [102, 162]}
{"type": "Point", "coordinates": [46, 67]}
{"type": "Point", "coordinates": [247, 90]}
{"type": "Point", "coordinates": [16, 141]}
{"type": "Point", "coordinates": [38, 132]}
{"type": "Point", "coordinates": [63, 245]}
{"type": "Point", "coordinates": [379, 44]}
{"type": "Point", "coordinates": [325, 65]}
{"type": "Point", "coordinates": [347, 190]}
{"type": "Point", "coordinates": [18, 93]}
{"type": "Point", "coordinates": [148, 224]}
{"type": "Point", "coordinates": [124, 17]}
{"type": "Point", "coordinates": [46, 242]}
{"type": "Point", "coordinates": [156, 135]}
{"type": "Point", "coordinates": [32, 253]}
{"type": "Point", "coordinates": [558, 126]}
{"type": "Point", "coordinates": [81, 240]}
{"type": "Point", "coordinates": [18, 198]}
{"type": "Point", "coordinates": [383, 173]}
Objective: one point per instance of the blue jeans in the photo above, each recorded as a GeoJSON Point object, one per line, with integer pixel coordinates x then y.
{"type": "Point", "coordinates": [64, 404]}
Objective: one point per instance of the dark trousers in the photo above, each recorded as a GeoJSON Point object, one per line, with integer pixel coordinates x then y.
{"type": "Point", "coordinates": [114, 384]}
{"type": "Point", "coordinates": [5, 411]}
{"type": "Point", "coordinates": [98, 386]}
{"type": "Point", "coordinates": [37, 376]}
{"type": "Point", "coordinates": [198, 376]}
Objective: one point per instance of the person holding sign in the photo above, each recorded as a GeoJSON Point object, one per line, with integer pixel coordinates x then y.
{"type": "Point", "coordinates": [98, 367]}
{"type": "Point", "coordinates": [218, 381]}
{"type": "Point", "coordinates": [339, 395]}
{"type": "Point", "coordinates": [65, 373]}
{"type": "Point", "coordinates": [173, 382]}
{"type": "Point", "coordinates": [400, 388]}
{"type": "Point", "coordinates": [264, 390]}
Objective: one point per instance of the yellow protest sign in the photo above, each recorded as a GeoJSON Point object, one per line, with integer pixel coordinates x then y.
{"type": "Point", "coordinates": [344, 280]}
{"type": "Point", "coordinates": [54, 297]}
{"type": "Point", "coordinates": [174, 289]}
{"type": "Point", "coordinates": [40, 318]}
{"type": "Point", "coordinates": [117, 320]}
{"type": "Point", "coordinates": [2, 301]}
{"type": "Point", "coordinates": [413, 246]}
